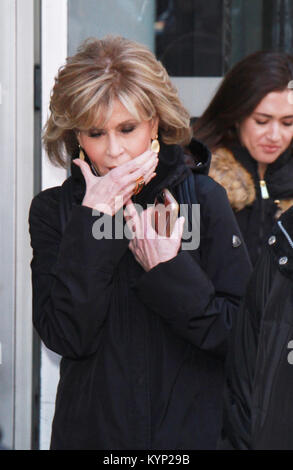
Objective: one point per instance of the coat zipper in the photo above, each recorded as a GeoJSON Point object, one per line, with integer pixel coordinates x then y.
{"type": "Point", "coordinates": [289, 239]}
{"type": "Point", "coordinates": [264, 195]}
{"type": "Point", "coordinates": [264, 189]}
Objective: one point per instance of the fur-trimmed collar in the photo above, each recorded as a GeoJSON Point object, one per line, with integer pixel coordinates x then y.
{"type": "Point", "coordinates": [237, 181]}
{"type": "Point", "coordinates": [241, 181]}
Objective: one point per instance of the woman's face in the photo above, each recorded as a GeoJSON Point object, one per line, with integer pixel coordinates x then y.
{"type": "Point", "coordinates": [268, 131]}
{"type": "Point", "coordinates": [121, 139]}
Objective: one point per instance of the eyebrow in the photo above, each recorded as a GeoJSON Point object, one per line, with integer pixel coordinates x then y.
{"type": "Point", "coordinates": [127, 121]}
{"type": "Point", "coordinates": [270, 116]}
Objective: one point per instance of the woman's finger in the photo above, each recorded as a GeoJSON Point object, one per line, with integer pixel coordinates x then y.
{"type": "Point", "coordinates": [150, 232]}
{"type": "Point", "coordinates": [132, 248]}
{"type": "Point", "coordinates": [136, 167]}
{"type": "Point", "coordinates": [145, 172]}
{"type": "Point", "coordinates": [132, 218]}
{"type": "Point", "coordinates": [178, 229]}
{"type": "Point", "coordinates": [138, 162]}
{"type": "Point", "coordinates": [149, 176]}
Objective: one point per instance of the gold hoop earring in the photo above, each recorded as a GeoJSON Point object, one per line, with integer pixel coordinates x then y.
{"type": "Point", "coordinates": [81, 153]}
{"type": "Point", "coordinates": [155, 145]}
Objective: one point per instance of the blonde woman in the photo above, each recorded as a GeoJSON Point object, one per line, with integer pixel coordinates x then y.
{"type": "Point", "coordinates": [141, 323]}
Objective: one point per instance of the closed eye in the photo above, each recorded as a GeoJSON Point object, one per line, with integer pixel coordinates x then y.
{"type": "Point", "coordinates": [261, 123]}
{"type": "Point", "coordinates": [128, 129]}
{"type": "Point", "coordinates": [95, 133]}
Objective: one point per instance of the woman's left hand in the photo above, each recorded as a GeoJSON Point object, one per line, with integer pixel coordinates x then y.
{"type": "Point", "coordinates": [149, 248]}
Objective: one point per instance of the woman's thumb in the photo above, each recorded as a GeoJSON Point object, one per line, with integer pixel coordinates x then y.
{"type": "Point", "coordinates": [84, 168]}
{"type": "Point", "coordinates": [178, 228]}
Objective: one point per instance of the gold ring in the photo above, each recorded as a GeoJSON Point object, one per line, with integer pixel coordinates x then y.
{"type": "Point", "coordinates": [139, 185]}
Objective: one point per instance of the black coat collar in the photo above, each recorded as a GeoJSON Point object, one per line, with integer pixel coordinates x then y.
{"type": "Point", "coordinates": [279, 174]}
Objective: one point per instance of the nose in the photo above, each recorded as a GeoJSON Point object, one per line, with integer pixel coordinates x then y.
{"type": "Point", "coordinates": [114, 146]}
{"type": "Point", "coordinates": [274, 132]}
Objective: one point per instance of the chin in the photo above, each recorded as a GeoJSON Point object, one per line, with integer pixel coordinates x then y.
{"type": "Point", "coordinates": [267, 159]}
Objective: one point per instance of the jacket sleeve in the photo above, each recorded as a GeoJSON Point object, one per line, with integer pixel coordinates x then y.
{"type": "Point", "coordinates": [198, 299]}
{"type": "Point", "coordinates": [71, 276]}
{"type": "Point", "coordinates": [242, 359]}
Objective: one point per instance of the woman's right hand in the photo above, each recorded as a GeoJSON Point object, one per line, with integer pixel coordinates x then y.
{"type": "Point", "coordinates": [112, 191]}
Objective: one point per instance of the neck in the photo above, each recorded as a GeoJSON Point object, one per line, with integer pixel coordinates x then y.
{"type": "Point", "coordinates": [262, 169]}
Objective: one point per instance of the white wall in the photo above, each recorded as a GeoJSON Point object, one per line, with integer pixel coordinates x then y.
{"type": "Point", "coordinates": [53, 52]}
{"type": "Point", "coordinates": [196, 92]}
{"type": "Point", "coordinates": [16, 182]}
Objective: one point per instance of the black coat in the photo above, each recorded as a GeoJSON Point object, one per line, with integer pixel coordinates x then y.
{"type": "Point", "coordinates": [142, 364]}
{"type": "Point", "coordinates": [258, 412]}
{"type": "Point", "coordinates": [257, 218]}
{"type": "Point", "coordinates": [256, 221]}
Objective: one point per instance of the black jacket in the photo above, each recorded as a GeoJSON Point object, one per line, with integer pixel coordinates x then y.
{"type": "Point", "coordinates": [258, 215]}
{"type": "Point", "coordinates": [142, 363]}
{"type": "Point", "coordinates": [258, 412]}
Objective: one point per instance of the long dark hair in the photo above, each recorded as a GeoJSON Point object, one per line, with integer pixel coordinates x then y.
{"type": "Point", "coordinates": [243, 88]}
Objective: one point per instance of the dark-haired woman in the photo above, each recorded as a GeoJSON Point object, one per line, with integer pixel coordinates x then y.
{"type": "Point", "coordinates": [249, 128]}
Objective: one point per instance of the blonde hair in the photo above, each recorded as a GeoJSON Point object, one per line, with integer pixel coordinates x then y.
{"type": "Point", "coordinates": [100, 72]}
